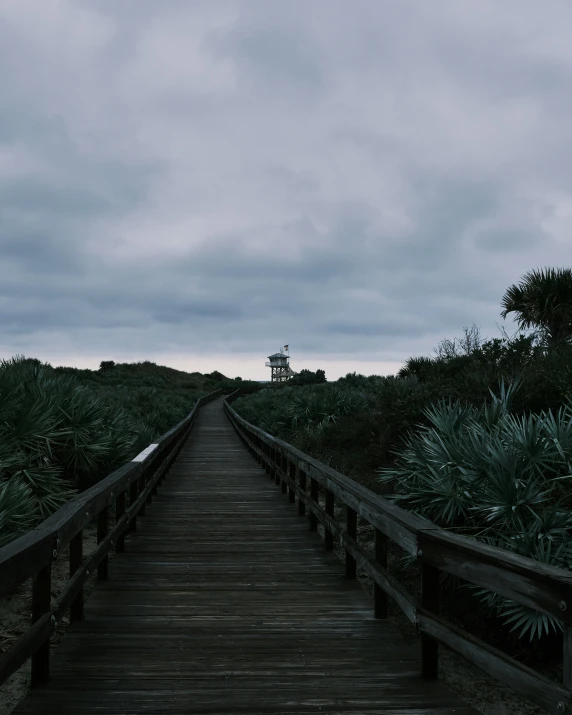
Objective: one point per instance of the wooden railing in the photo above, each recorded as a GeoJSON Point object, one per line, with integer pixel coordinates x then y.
{"type": "Point", "coordinates": [525, 581]}
{"type": "Point", "coordinates": [32, 555]}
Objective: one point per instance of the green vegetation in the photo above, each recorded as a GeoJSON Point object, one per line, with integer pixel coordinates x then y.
{"type": "Point", "coordinates": [543, 299]}
{"type": "Point", "coordinates": [498, 477]}
{"type": "Point", "coordinates": [307, 377]}
{"type": "Point", "coordinates": [477, 438]}
{"type": "Point", "coordinates": [63, 429]}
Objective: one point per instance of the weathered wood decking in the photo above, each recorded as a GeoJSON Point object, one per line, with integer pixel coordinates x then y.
{"type": "Point", "coordinates": [225, 602]}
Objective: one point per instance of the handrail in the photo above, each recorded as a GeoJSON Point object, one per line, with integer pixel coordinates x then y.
{"type": "Point", "coordinates": [32, 554]}
{"type": "Point", "coordinates": [528, 582]}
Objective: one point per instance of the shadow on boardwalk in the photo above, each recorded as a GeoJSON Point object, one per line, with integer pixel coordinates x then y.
{"type": "Point", "coordinates": [225, 602]}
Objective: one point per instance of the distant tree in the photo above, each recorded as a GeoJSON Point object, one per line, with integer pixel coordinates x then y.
{"type": "Point", "coordinates": [216, 375]}
{"type": "Point", "coordinates": [238, 379]}
{"type": "Point", "coordinates": [106, 364]}
{"type": "Point", "coordinates": [543, 299]}
{"type": "Point", "coordinates": [448, 349]}
{"type": "Point", "coordinates": [307, 377]}
{"type": "Point", "coordinates": [353, 379]}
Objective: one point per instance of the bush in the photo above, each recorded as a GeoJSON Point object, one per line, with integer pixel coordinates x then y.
{"type": "Point", "coordinates": [63, 429]}
{"type": "Point", "coordinates": [490, 469]}
{"type": "Point", "coordinates": [498, 477]}
{"type": "Point", "coordinates": [307, 377]}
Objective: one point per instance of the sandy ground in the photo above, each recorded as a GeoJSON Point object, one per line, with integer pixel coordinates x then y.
{"type": "Point", "coordinates": [475, 687]}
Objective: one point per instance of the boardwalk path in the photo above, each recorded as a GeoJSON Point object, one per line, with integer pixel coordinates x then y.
{"type": "Point", "coordinates": [225, 602]}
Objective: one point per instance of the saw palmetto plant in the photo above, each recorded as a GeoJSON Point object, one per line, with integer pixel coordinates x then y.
{"type": "Point", "coordinates": [497, 477]}
{"type": "Point", "coordinates": [63, 430]}
{"type": "Point", "coordinates": [290, 411]}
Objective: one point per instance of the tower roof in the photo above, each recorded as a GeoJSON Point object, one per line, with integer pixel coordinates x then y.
{"type": "Point", "coordinates": [278, 355]}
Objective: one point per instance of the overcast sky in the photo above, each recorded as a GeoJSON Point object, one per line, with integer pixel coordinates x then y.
{"type": "Point", "coordinates": [198, 183]}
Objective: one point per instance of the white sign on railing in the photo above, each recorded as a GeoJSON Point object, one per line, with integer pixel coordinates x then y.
{"type": "Point", "coordinates": [145, 453]}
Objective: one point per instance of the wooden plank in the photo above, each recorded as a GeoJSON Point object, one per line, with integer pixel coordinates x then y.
{"type": "Point", "coordinates": [546, 693]}
{"type": "Point", "coordinates": [430, 603]}
{"type": "Point", "coordinates": [314, 493]}
{"type": "Point", "coordinates": [351, 527]}
{"type": "Point", "coordinates": [379, 594]}
{"type": "Point", "coordinates": [102, 531]}
{"type": "Point", "coordinates": [74, 586]}
{"type": "Point", "coordinates": [292, 474]}
{"type": "Point", "coordinates": [25, 646]}
{"type": "Point", "coordinates": [83, 509]}
{"type": "Point", "coordinates": [302, 495]}
{"type": "Point", "coordinates": [531, 583]}
{"type": "Point", "coordinates": [328, 533]}
{"type": "Point", "coordinates": [524, 580]}
{"type": "Point", "coordinates": [119, 512]}
{"type": "Point", "coordinates": [401, 526]}
{"type": "Point", "coordinates": [41, 602]}
{"type": "Point", "coordinates": [378, 572]}
{"type": "Point", "coordinates": [223, 602]}
{"type": "Point", "coordinates": [24, 556]}
{"type": "Point", "coordinates": [76, 559]}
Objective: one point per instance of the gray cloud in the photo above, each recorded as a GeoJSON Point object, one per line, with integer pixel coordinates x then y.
{"type": "Point", "coordinates": [360, 180]}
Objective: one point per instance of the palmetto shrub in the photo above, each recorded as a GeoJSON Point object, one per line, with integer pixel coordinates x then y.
{"type": "Point", "coordinates": [496, 477]}
{"type": "Point", "coordinates": [63, 430]}
{"type": "Point", "coordinates": [293, 411]}
{"type": "Point", "coordinates": [483, 470]}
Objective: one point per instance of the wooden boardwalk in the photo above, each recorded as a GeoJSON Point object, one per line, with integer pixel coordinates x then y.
{"type": "Point", "coordinates": [225, 602]}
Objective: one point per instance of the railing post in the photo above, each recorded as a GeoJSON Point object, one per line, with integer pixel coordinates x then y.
{"type": "Point", "coordinates": [351, 527]}
{"type": "Point", "coordinates": [155, 486]}
{"type": "Point", "coordinates": [276, 463]}
{"type": "Point", "coordinates": [314, 495]}
{"type": "Point", "coordinates": [41, 603]}
{"type": "Point", "coordinates": [119, 512]}
{"type": "Point", "coordinates": [430, 601]}
{"type": "Point", "coordinates": [284, 467]}
{"type": "Point", "coordinates": [102, 529]}
{"type": "Point", "coordinates": [291, 490]}
{"type": "Point", "coordinates": [328, 536]}
{"type": "Point", "coordinates": [379, 595]}
{"type": "Point", "coordinates": [76, 558]}
{"type": "Point", "coordinates": [132, 499]}
{"type": "Point", "coordinates": [163, 472]}
{"type": "Point", "coordinates": [260, 445]}
{"type": "Point", "coordinates": [150, 495]}
{"type": "Point", "coordinates": [267, 465]}
{"type": "Point", "coordinates": [302, 481]}
{"type": "Point", "coordinates": [140, 491]}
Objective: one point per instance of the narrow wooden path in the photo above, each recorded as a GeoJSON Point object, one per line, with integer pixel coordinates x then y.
{"type": "Point", "coordinates": [225, 602]}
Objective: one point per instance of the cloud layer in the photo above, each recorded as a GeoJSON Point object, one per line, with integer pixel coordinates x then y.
{"type": "Point", "coordinates": [207, 180]}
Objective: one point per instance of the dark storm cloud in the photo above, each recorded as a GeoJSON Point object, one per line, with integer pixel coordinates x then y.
{"type": "Point", "coordinates": [364, 179]}
{"type": "Point", "coordinates": [276, 56]}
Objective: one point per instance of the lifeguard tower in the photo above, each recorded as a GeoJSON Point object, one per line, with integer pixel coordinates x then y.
{"type": "Point", "coordinates": [279, 367]}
